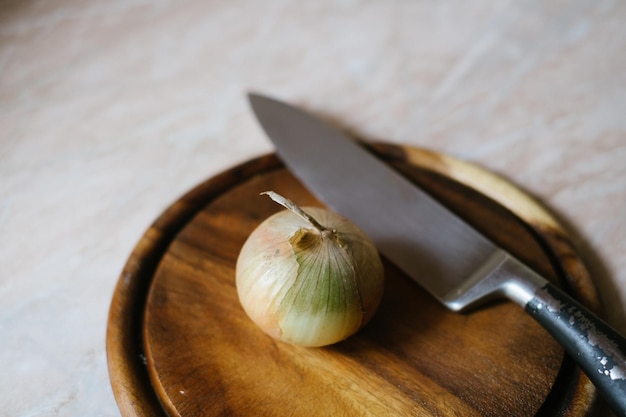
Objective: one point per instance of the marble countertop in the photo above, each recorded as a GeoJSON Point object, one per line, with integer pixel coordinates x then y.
{"type": "Point", "coordinates": [109, 111]}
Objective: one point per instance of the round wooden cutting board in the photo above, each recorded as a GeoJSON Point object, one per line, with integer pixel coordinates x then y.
{"type": "Point", "coordinates": [179, 343]}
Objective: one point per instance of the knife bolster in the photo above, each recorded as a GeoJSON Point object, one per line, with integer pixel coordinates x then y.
{"type": "Point", "coordinates": [501, 275]}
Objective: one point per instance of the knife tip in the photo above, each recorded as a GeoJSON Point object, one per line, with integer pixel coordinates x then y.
{"type": "Point", "coordinates": [260, 101]}
{"type": "Point", "coordinates": [254, 95]}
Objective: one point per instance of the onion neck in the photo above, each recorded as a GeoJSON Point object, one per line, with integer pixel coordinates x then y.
{"type": "Point", "coordinates": [288, 204]}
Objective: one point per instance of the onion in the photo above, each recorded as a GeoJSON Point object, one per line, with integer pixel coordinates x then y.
{"type": "Point", "coordinates": [308, 276]}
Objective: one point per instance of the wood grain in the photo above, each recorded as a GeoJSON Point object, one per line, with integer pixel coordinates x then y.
{"type": "Point", "coordinates": [205, 357]}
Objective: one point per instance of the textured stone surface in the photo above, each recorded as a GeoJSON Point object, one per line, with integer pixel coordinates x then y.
{"type": "Point", "coordinates": [111, 110]}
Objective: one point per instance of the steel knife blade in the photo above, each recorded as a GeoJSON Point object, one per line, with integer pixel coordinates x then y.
{"type": "Point", "coordinates": [445, 255]}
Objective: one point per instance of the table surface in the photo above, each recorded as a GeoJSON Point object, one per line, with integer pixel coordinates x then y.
{"type": "Point", "coordinates": [109, 111]}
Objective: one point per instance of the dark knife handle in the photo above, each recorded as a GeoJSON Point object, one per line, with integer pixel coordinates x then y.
{"type": "Point", "coordinates": [597, 348]}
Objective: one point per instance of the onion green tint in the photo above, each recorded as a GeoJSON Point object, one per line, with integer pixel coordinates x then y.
{"type": "Point", "coordinates": [309, 277]}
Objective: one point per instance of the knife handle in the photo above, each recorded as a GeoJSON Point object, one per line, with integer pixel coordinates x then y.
{"type": "Point", "coordinates": [597, 348]}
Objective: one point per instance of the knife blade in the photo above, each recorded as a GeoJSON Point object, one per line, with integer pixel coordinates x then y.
{"type": "Point", "coordinates": [448, 257]}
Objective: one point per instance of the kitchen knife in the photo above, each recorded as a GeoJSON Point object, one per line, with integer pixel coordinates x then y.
{"type": "Point", "coordinates": [446, 256]}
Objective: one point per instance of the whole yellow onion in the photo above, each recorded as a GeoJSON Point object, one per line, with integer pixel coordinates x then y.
{"type": "Point", "coordinates": [309, 276]}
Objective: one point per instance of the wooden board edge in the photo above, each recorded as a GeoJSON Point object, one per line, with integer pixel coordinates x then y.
{"type": "Point", "coordinates": [126, 358]}
{"type": "Point", "coordinates": [548, 231]}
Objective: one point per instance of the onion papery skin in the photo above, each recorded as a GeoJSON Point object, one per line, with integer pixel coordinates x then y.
{"type": "Point", "coordinates": [307, 287]}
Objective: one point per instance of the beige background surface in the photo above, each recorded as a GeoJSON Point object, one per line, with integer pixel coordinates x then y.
{"type": "Point", "coordinates": [110, 110]}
